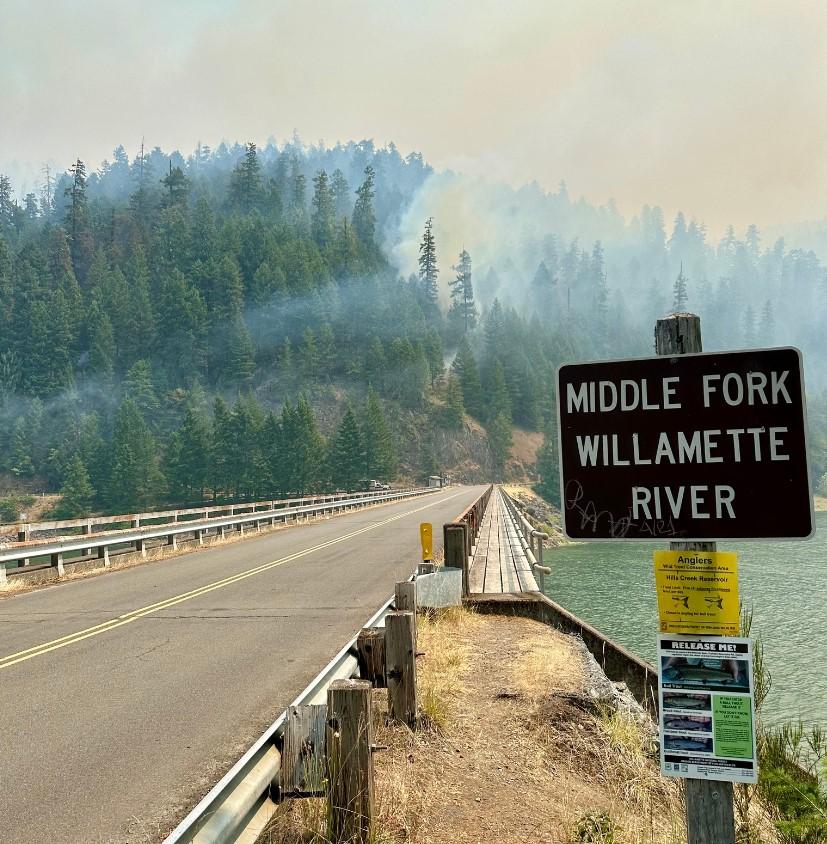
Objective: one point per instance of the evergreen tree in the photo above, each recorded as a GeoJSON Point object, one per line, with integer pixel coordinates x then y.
{"type": "Point", "coordinates": [222, 452]}
{"type": "Point", "coordinates": [465, 368]}
{"type": "Point", "coordinates": [499, 441]}
{"type": "Point", "coordinates": [454, 413]}
{"type": "Point", "coordinates": [76, 494]}
{"type": "Point", "coordinates": [341, 194]}
{"type": "Point", "coordinates": [463, 311]}
{"type": "Point", "coordinates": [364, 218]}
{"type": "Point", "coordinates": [135, 481]}
{"type": "Point", "coordinates": [101, 343]}
{"type": "Point", "coordinates": [177, 187]}
{"type": "Point", "coordinates": [428, 269]}
{"type": "Point", "coordinates": [245, 183]}
{"type": "Point", "coordinates": [77, 219]}
{"type": "Point", "coordinates": [543, 287]}
{"type": "Point", "coordinates": [680, 294]}
{"type": "Point", "coordinates": [347, 458]}
{"type": "Point", "coordinates": [138, 386]}
{"type": "Point", "coordinates": [548, 467]}
{"type": "Point", "coordinates": [309, 355]}
{"type": "Point", "coordinates": [307, 448]}
{"type": "Point", "coordinates": [240, 364]}
{"type": "Point", "coordinates": [322, 218]}
{"type": "Point", "coordinates": [380, 457]}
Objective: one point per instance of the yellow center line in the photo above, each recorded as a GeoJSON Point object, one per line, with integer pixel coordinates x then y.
{"type": "Point", "coordinates": [134, 615]}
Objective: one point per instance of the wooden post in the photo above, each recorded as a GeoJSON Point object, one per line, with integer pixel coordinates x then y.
{"type": "Point", "coordinates": [405, 601]}
{"type": "Point", "coordinates": [425, 568]}
{"type": "Point", "coordinates": [405, 596]}
{"type": "Point", "coordinates": [400, 666]}
{"type": "Point", "coordinates": [710, 818]}
{"type": "Point", "coordinates": [370, 647]}
{"type": "Point", "coordinates": [302, 756]}
{"type": "Point", "coordinates": [456, 553]}
{"type": "Point", "coordinates": [350, 762]}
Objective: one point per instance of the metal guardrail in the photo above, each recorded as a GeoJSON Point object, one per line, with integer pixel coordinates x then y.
{"type": "Point", "coordinates": [24, 529]}
{"type": "Point", "coordinates": [86, 544]}
{"type": "Point", "coordinates": [530, 538]}
{"type": "Point", "coordinates": [242, 802]}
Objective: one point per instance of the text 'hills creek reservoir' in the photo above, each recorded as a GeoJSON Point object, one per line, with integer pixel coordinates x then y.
{"type": "Point", "coordinates": [611, 585]}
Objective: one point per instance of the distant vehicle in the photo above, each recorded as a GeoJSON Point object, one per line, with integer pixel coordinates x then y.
{"type": "Point", "coordinates": [372, 485]}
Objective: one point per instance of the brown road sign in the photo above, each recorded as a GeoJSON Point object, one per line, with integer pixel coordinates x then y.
{"type": "Point", "coordinates": [691, 447]}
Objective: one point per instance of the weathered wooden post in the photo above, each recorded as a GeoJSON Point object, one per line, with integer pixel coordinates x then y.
{"type": "Point", "coordinates": [456, 551]}
{"type": "Point", "coordinates": [710, 817]}
{"type": "Point", "coordinates": [400, 666]}
{"type": "Point", "coordinates": [405, 601]}
{"type": "Point", "coordinates": [370, 647]}
{"type": "Point", "coordinates": [350, 762]}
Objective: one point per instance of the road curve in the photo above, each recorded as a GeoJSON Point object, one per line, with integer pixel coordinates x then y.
{"type": "Point", "coordinates": [124, 697]}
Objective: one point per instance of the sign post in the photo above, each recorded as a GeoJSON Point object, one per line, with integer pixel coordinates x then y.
{"type": "Point", "coordinates": [676, 447]}
{"type": "Point", "coordinates": [710, 813]}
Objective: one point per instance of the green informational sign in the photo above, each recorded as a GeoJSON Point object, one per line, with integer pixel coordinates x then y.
{"type": "Point", "coordinates": [732, 733]}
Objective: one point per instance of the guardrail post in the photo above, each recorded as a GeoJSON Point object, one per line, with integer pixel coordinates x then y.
{"type": "Point", "coordinates": [350, 762]}
{"type": "Point", "coordinates": [425, 568]}
{"type": "Point", "coordinates": [140, 547]}
{"type": "Point", "coordinates": [87, 531]}
{"type": "Point", "coordinates": [3, 578]}
{"type": "Point", "coordinates": [172, 541]}
{"type": "Point", "coordinates": [57, 563]}
{"type": "Point", "coordinates": [456, 551]}
{"type": "Point", "coordinates": [198, 536]}
{"type": "Point", "coordinates": [103, 554]}
{"type": "Point", "coordinates": [405, 601]}
{"type": "Point", "coordinates": [400, 666]}
{"type": "Point", "coordinates": [370, 647]}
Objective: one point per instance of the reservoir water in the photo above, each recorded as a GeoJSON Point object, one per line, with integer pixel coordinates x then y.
{"type": "Point", "coordinates": [611, 585]}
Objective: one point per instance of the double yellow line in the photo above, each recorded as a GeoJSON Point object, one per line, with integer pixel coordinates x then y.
{"type": "Point", "coordinates": [134, 615]}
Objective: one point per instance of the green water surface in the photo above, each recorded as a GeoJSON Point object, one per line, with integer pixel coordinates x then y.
{"type": "Point", "coordinates": [611, 585]}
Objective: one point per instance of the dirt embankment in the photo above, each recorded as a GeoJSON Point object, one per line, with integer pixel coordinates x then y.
{"type": "Point", "coordinates": [520, 742]}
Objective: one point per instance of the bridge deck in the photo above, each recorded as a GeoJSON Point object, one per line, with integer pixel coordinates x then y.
{"type": "Point", "coordinates": [499, 563]}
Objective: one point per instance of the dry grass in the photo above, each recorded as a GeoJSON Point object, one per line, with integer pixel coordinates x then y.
{"type": "Point", "coordinates": [511, 749]}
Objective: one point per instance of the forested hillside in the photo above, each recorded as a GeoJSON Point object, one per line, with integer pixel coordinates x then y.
{"type": "Point", "coordinates": [239, 323]}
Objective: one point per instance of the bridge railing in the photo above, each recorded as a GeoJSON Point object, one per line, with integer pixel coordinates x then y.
{"type": "Point", "coordinates": [55, 552]}
{"type": "Point", "coordinates": [530, 538]}
{"type": "Point", "coordinates": [460, 536]}
{"type": "Point", "coordinates": [239, 805]}
{"type": "Point", "coordinates": [123, 521]}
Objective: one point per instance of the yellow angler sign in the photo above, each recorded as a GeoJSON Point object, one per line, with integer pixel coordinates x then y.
{"type": "Point", "coordinates": [698, 592]}
{"type": "Point", "coordinates": [426, 536]}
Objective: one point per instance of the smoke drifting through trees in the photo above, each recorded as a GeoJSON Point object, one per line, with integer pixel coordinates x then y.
{"type": "Point", "coordinates": [165, 282]}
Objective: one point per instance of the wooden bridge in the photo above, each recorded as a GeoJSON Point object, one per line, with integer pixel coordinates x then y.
{"type": "Point", "coordinates": [502, 560]}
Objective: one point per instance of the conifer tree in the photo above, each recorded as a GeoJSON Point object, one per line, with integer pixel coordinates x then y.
{"type": "Point", "coordinates": [347, 458]}
{"type": "Point", "coordinates": [322, 218]}
{"type": "Point", "coordinates": [380, 457]}
{"type": "Point", "coordinates": [309, 355]}
{"type": "Point", "coordinates": [499, 441]}
{"type": "Point", "coordinates": [680, 292]}
{"type": "Point", "coordinates": [240, 363]}
{"type": "Point", "coordinates": [463, 311]}
{"type": "Point", "coordinates": [177, 187]}
{"type": "Point", "coordinates": [341, 194]}
{"type": "Point", "coordinates": [134, 478]}
{"type": "Point", "coordinates": [77, 493]}
{"type": "Point", "coordinates": [548, 466]}
{"type": "Point", "coordinates": [428, 269]}
{"type": "Point", "coordinates": [245, 183]}
{"type": "Point", "coordinates": [222, 452]}
{"type": "Point", "coordinates": [454, 407]}
{"type": "Point", "coordinates": [307, 448]}
{"type": "Point", "coordinates": [77, 218]}
{"type": "Point", "coordinates": [364, 218]}
{"type": "Point", "coordinates": [138, 386]}
{"type": "Point", "coordinates": [465, 368]}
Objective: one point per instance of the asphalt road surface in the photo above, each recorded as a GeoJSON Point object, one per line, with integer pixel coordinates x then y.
{"type": "Point", "coordinates": [125, 697]}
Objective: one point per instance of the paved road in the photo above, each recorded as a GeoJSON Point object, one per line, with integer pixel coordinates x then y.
{"type": "Point", "coordinates": [124, 698]}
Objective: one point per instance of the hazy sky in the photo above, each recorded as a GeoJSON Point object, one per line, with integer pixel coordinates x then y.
{"type": "Point", "coordinates": [714, 107]}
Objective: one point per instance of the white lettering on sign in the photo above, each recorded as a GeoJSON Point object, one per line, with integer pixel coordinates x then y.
{"type": "Point", "coordinates": [606, 396]}
{"type": "Point", "coordinates": [661, 502]}
{"type": "Point", "coordinates": [684, 447]}
{"type": "Point", "coordinates": [734, 389]}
